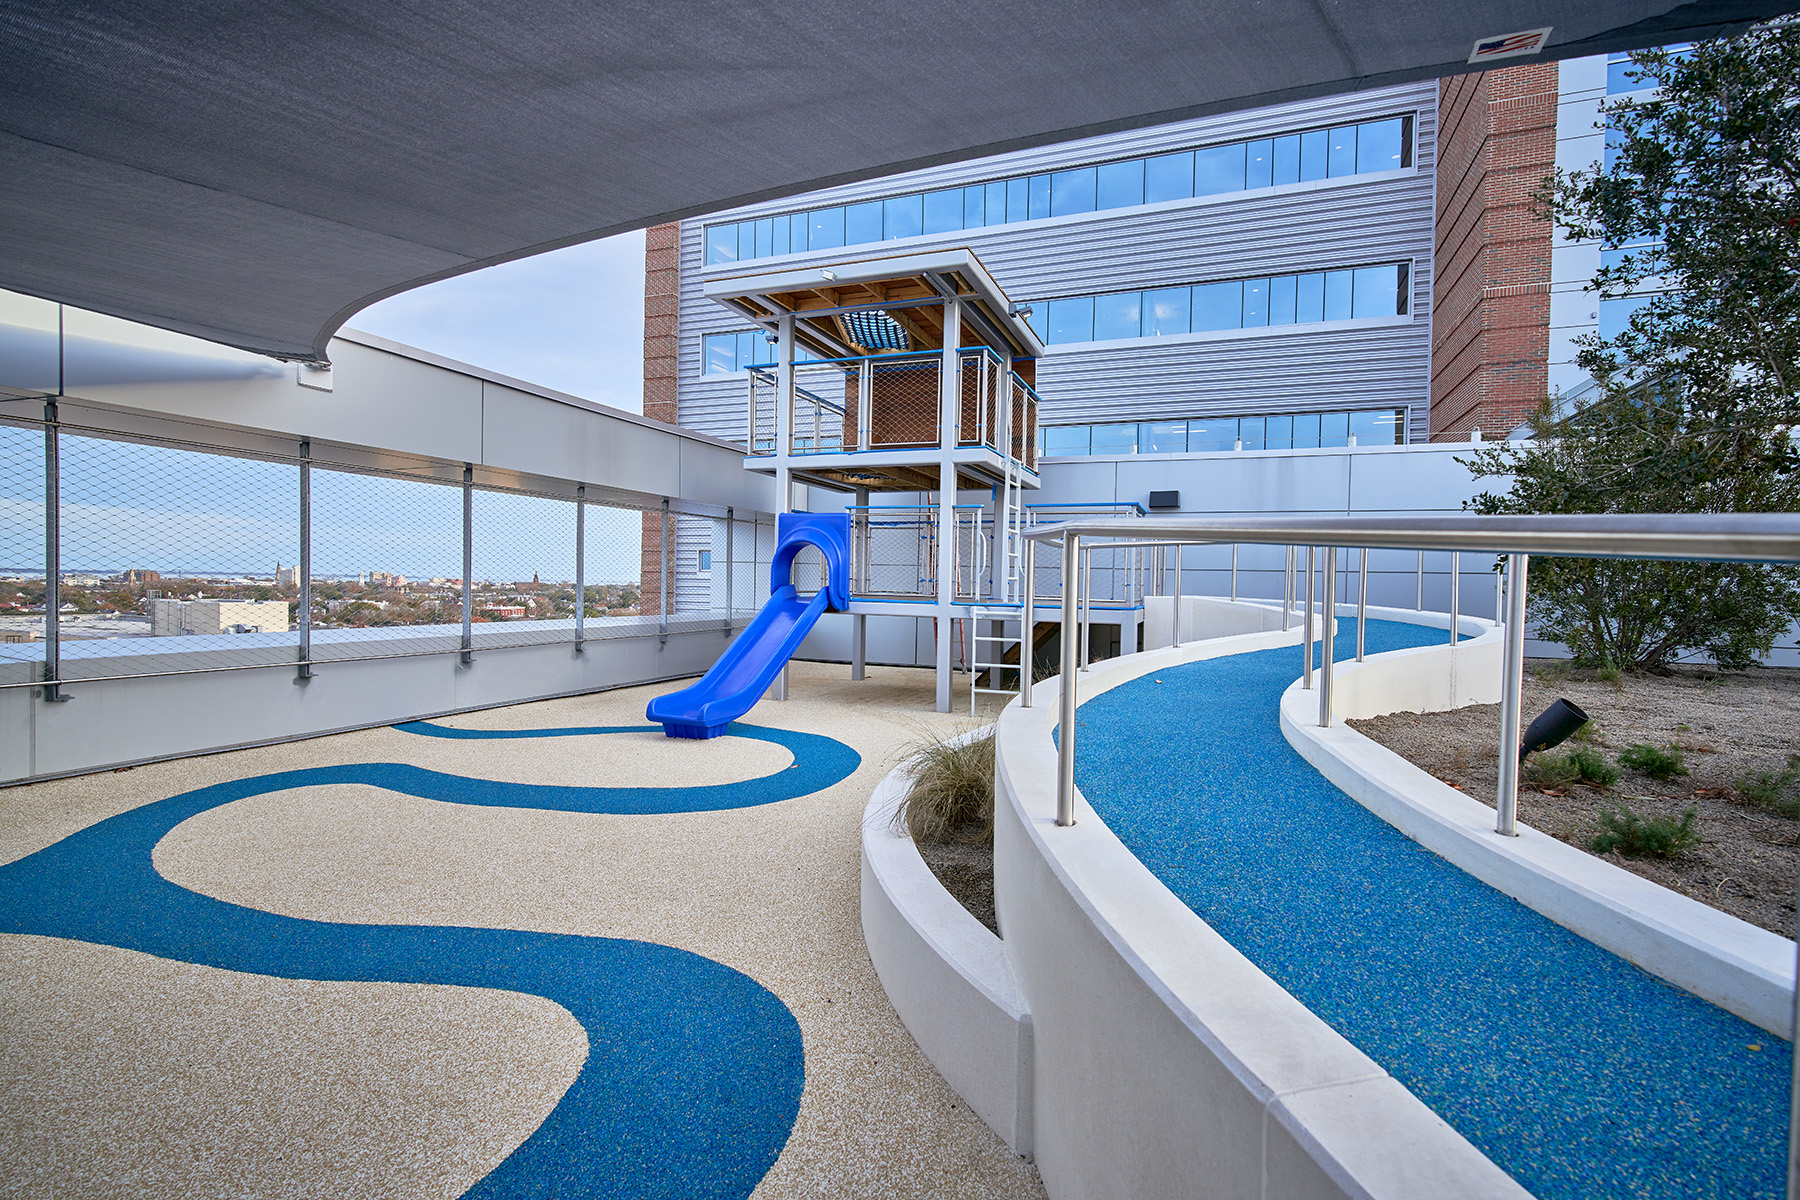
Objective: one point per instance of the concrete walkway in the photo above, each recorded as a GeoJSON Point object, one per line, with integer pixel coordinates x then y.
{"type": "Point", "coordinates": [129, 1073]}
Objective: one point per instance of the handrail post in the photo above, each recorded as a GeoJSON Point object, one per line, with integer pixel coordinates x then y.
{"type": "Point", "coordinates": [1419, 604]}
{"type": "Point", "coordinates": [1180, 547]}
{"type": "Point", "coordinates": [1330, 615]}
{"type": "Point", "coordinates": [466, 654]}
{"type": "Point", "coordinates": [1065, 750]}
{"type": "Point", "coordinates": [581, 563]}
{"type": "Point", "coordinates": [1455, 591]}
{"type": "Point", "coordinates": [53, 557]}
{"type": "Point", "coordinates": [1512, 681]}
{"type": "Point", "coordinates": [1086, 591]}
{"type": "Point", "coordinates": [1362, 601]}
{"type": "Point", "coordinates": [1234, 556]}
{"type": "Point", "coordinates": [1287, 592]}
{"type": "Point", "coordinates": [303, 572]}
{"type": "Point", "coordinates": [1306, 636]}
{"type": "Point", "coordinates": [1027, 624]}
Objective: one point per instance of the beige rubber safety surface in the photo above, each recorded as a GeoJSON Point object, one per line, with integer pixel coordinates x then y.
{"type": "Point", "coordinates": [127, 1075]}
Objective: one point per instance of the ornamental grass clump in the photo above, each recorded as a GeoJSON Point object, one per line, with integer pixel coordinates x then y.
{"type": "Point", "coordinates": [1578, 765]}
{"type": "Point", "coordinates": [1778, 791]}
{"type": "Point", "coordinates": [1656, 763]}
{"type": "Point", "coordinates": [952, 794]}
{"type": "Point", "coordinates": [1638, 836]}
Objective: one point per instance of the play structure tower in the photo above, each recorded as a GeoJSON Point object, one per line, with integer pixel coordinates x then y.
{"type": "Point", "coordinates": [899, 377]}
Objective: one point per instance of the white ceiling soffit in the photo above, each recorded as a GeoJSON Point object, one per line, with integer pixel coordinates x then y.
{"type": "Point", "coordinates": [255, 173]}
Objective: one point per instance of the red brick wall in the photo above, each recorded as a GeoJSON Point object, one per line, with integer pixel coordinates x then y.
{"type": "Point", "coordinates": [1491, 309]}
{"type": "Point", "coordinates": [662, 287]}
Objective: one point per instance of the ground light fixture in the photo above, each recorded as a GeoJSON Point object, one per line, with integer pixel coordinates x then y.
{"type": "Point", "coordinates": [1552, 727]}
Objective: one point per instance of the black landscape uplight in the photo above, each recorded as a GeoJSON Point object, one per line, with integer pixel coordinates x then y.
{"type": "Point", "coordinates": [1552, 727]}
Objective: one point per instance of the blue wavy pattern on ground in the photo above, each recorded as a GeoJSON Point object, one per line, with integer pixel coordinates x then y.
{"type": "Point", "coordinates": [694, 1070]}
{"type": "Point", "coordinates": [819, 762]}
{"type": "Point", "coordinates": [1578, 1073]}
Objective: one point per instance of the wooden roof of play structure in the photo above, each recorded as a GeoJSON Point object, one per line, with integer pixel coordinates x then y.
{"type": "Point", "coordinates": [882, 305]}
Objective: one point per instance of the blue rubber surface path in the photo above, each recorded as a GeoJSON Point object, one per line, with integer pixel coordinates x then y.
{"type": "Point", "coordinates": [1580, 1074]}
{"type": "Point", "coordinates": [694, 1070]}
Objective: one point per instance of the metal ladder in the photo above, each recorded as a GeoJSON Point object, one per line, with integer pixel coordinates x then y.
{"type": "Point", "coordinates": [1000, 643]}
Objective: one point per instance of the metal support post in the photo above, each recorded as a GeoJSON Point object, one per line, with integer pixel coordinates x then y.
{"type": "Point", "coordinates": [1180, 548]}
{"type": "Point", "coordinates": [1512, 681]}
{"type": "Point", "coordinates": [1499, 606]}
{"type": "Point", "coordinates": [1287, 594]}
{"type": "Point", "coordinates": [1087, 604]}
{"type": "Point", "coordinates": [1362, 601]}
{"type": "Point", "coordinates": [305, 568]}
{"type": "Point", "coordinates": [580, 564]}
{"type": "Point", "coordinates": [1327, 659]}
{"type": "Point", "coordinates": [662, 600]}
{"type": "Point", "coordinates": [1455, 591]}
{"type": "Point", "coordinates": [1065, 750]}
{"type": "Point", "coordinates": [730, 568]}
{"type": "Point", "coordinates": [1420, 604]}
{"type": "Point", "coordinates": [1028, 623]}
{"type": "Point", "coordinates": [52, 558]}
{"type": "Point", "coordinates": [1306, 635]}
{"type": "Point", "coordinates": [1234, 552]}
{"type": "Point", "coordinates": [468, 566]}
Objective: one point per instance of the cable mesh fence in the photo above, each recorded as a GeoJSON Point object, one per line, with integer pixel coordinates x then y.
{"type": "Point", "coordinates": [523, 580]}
{"type": "Point", "coordinates": [616, 552]}
{"type": "Point", "coordinates": [22, 484]}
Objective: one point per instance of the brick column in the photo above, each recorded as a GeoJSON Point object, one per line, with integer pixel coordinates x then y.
{"type": "Point", "coordinates": [662, 290]}
{"type": "Point", "coordinates": [1490, 336]}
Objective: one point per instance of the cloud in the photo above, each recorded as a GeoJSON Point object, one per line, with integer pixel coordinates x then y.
{"type": "Point", "coordinates": [570, 319]}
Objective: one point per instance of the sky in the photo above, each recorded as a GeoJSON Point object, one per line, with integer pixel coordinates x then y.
{"type": "Point", "coordinates": [569, 319]}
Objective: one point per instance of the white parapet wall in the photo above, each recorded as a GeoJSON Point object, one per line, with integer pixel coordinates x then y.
{"type": "Point", "coordinates": [1164, 1062]}
{"type": "Point", "coordinates": [945, 973]}
{"type": "Point", "coordinates": [1741, 968]}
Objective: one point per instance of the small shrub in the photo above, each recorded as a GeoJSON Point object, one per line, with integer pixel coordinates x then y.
{"type": "Point", "coordinates": [952, 793]}
{"type": "Point", "coordinates": [1609, 673]}
{"type": "Point", "coordinates": [1776, 790]}
{"type": "Point", "coordinates": [1579, 765]}
{"type": "Point", "coordinates": [1637, 836]}
{"type": "Point", "coordinates": [1658, 764]}
{"type": "Point", "coordinates": [1589, 732]}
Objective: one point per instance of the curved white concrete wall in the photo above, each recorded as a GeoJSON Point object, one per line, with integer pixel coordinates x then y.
{"type": "Point", "coordinates": [945, 973]}
{"type": "Point", "coordinates": [1165, 1063]}
{"type": "Point", "coordinates": [1741, 968]}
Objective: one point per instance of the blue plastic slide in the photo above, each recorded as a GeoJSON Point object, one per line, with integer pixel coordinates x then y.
{"type": "Point", "coordinates": [755, 657]}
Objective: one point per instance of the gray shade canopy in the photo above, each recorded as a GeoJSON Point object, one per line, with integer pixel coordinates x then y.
{"type": "Point", "coordinates": [256, 173]}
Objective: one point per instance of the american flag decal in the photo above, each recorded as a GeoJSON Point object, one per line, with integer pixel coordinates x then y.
{"type": "Point", "coordinates": [1510, 45]}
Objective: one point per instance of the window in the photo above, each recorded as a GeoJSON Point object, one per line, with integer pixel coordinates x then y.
{"type": "Point", "coordinates": [1212, 435]}
{"type": "Point", "coordinates": [706, 560]}
{"type": "Point", "coordinates": [1341, 152]}
{"type": "Point", "coordinates": [723, 353]}
{"type": "Point", "coordinates": [1361, 292]}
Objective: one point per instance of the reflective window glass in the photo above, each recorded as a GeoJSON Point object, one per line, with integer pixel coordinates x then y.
{"type": "Point", "coordinates": [1038, 317]}
{"type": "Point", "coordinates": [1071, 320]}
{"type": "Point", "coordinates": [1072, 191]}
{"type": "Point", "coordinates": [797, 232]}
{"type": "Point", "coordinates": [862, 223]}
{"type": "Point", "coordinates": [706, 560]}
{"type": "Point", "coordinates": [943, 211]}
{"type": "Point", "coordinates": [721, 244]}
{"type": "Point", "coordinates": [1219, 169]}
{"type": "Point", "coordinates": [1218, 306]}
{"type": "Point", "coordinates": [1114, 439]}
{"type": "Point", "coordinates": [974, 207]}
{"type": "Point", "coordinates": [783, 243]}
{"type": "Point", "coordinates": [1259, 164]}
{"type": "Point", "coordinates": [1166, 311]}
{"type": "Point", "coordinates": [902, 217]}
{"type": "Point", "coordinates": [825, 229]}
{"type": "Point", "coordinates": [1287, 159]}
{"type": "Point", "coordinates": [1063, 440]}
{"type": "Point", "coordinates": [1341, 158]}
{"type": "Point", "coordinates": [1337, 295]}
{"type": "Point", "coordinates": [1334, 429]}
{"type": "Point", "coordinates": [1015, 199]}
{"type": "Point", "coordinates": [1214, 433]}
{"type": "Point", "coordinates": [995, 204]}
{"type": "Point", "coordinates": [1122, 184]}
{"type": "Point", "coordinates": [1281, 300]}
{"type": "Point", "coordinates": [753, 349]}
{"type": "Point", "coordinates": [1306, 431]}
{"type": "Point", "coordinates": [718, 353]}
{"type": "Point", "coordinates": [1381, 427]}
{"type": "Point", "coordinates": [1256, 303]}
{"type": "Point", "coordinates": [1118, 316]}
{"type": "Point", "coordinates": [1374, 292]}
{"type": "Point", "coordinates": [1162, 437]}
{"type": "Point", "coordinates": [746, 240]}
{"type": "Point", "coordinates": [765, 237]}
{"type": "Point", "coordinates": [1038, 189]}
{"type": "Point", "coordinates": [1169, 177]}
{"type": "Point", "coordinates": [1623, 76]}
{"type": "Point", "coordinates": [1402, 289]}
{"type": "Point", "coordinates": [1250, 430]}
{"type": "Point", "coordinates": [1312, 155]}
{"type": "Point", "coordinates": [1278, 433]}
{"type": "Point", "coordinates": [1309, 298]}
{"type": "Point", "coordinates": [1378, 146]}
{"type": "Point", "coordinates": [1616, 313]}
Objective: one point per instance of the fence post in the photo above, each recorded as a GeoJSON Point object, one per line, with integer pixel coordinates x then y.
{"type": "Point", "coordinates": [305, 568]}
{"type": "Point", "coordinates": [1455, 591]}
{"type": "Point", "coordinates": [1306, 636]}
{"type": "Point", "coordinates": [1327, 659]}
{"type": "Point", "coordinates": [662, 623]}
{"type": "Point", "coordinates": [580, 564]}
{"type": "Point", "coordinates": [52, 558]}
{"type": "Point", "coordinates": [1027, 623]}
{"type": "Point", "coordinates": [1065, 751]}
{"type": "Point", "coordinates": [468, 565]}
{"type": "Point", "coordinates": [730, 587]}
{"type": "Point", "coordinates": [1512, 681]}
{"type": "Point", "coordinates": [1362, 601]}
